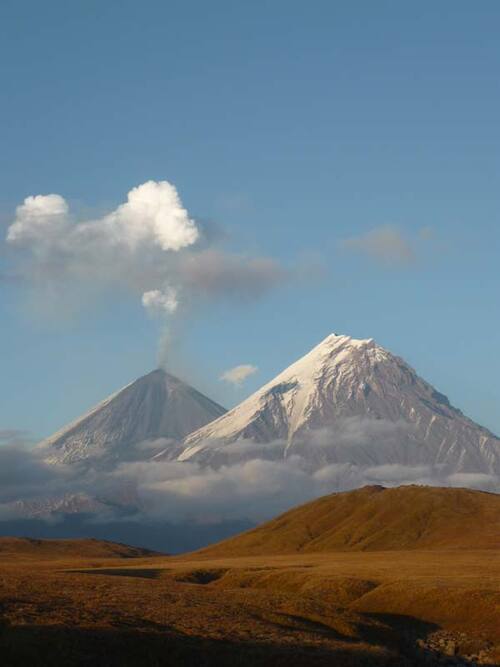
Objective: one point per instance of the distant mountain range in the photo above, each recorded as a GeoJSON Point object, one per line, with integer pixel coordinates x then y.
{"type": "Point", "coordinates": [347, 401]}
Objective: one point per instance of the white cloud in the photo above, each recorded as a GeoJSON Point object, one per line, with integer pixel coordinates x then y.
{"type": "Point", "coordinates": [259, 488]}
{"type": "Point", "coordinates": [149, 247]}
{"type": "Point", "coordinates": [38, 220]}
{"type": "Point", "coordinates": [152, 215]}
{"type": "Point", "coordinates": [351, 432]}
{"type": "Point", "coordinates": [24, 474]}
{"type": "Point", "coordinates": [395, 472]}
{"type": "Point", "coordinates": [386, 245]}
{"type": "Point", "coordinates": [133, 248]}
{"type": "Point", "coordinates": [238, 374]}
{"type": "Point", "coordinates": [256, 489]}
{"type": "Point", "coordinates": [157, 301]}
{"type": "Point", "coordinates": [482, 481]}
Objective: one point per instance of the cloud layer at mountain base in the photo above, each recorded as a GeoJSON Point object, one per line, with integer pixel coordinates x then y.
{"type": "Point", "coordinates": [253, 489]}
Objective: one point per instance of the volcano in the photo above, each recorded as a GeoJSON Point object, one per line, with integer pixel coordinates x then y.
{"type": "Point", "coordinates": [349, 402]}
{"type": "Point", "coordinates": [151, 414]}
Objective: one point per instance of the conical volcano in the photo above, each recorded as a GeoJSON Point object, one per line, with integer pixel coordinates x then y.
{"type": "Point", "coordinates": [147, 415]}
{"type": "Point", "coordinates": [350, 402]}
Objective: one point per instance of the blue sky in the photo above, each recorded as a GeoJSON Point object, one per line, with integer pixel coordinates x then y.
{"type": "Point", "coordinates": [288, 128]}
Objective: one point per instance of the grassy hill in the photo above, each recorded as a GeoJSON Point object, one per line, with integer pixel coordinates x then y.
{"type": "Point", "coordinates": [375, 518]}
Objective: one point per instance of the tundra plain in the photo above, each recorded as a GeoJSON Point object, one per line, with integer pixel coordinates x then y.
{"type": "Point", "coordinates": [94, 603]}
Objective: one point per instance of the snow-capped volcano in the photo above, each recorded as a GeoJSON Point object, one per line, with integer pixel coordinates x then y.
{"type": "Point", "coordinates": [144, 417]}
{"type": "Point", "coordinates": [348, 401]}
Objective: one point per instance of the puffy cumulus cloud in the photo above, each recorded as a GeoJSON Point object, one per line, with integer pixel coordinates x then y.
{"type": "Point", "coordinates": [38, 220]}
{"type": "Point", "coordinates": [238, 374]}
{"type": "Point", "coordinates": [153, 215]}
{"type": "Point", "coordinates": [153, 212]}
{"type": "Point", "coordinates": [385, 244]}
{"type": "Point", "coordinates": [158, 302]}
{"type": "Point", "coordinates": [148, 246]}
{"type": "Point", "coordinates": [130, 249]}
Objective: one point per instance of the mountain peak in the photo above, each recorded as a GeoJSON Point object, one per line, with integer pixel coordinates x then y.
{"type": "Point", "coordinates": [348, 401]}
{"type": "Point", "coordinates": [333, 352]}
{"type": "Point", "coordinates": [155, 407]}
{"type": "Point", "coordinates": [161, 375]}
{"type": "Point", "coordinates": [334, 345]}
{"type": "Point", "coordinates": [334, 339]}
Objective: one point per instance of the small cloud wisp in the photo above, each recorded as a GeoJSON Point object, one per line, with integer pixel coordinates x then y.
{"type": "Point", "coordinates": [237, 375]}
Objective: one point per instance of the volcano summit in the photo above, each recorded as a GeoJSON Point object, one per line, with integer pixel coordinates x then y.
{"type": "Point", "coordinates": [154, 412]}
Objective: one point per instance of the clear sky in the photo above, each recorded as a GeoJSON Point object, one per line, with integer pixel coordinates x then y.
{"type": "Point", "coordinates": [355, 145]}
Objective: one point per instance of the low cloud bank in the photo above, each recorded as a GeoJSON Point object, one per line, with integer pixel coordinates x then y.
{"type": "Point", "coordinates": [251, 490]}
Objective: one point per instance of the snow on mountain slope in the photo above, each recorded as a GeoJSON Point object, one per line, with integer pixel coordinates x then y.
{"type": "Point", "coordinates": [352, 402]}
{"type": "Point", "coordinates": [150, 414]}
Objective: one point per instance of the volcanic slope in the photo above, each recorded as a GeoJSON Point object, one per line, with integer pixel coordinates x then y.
{"type": "Point", "coordinates": [157, 409]}
{"type": "Point", "coordinates": [375, 518]}
{"type": "Point", "coordinates": [349, 402]}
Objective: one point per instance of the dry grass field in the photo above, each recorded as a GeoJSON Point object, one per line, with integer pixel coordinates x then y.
{"type": "Point", "coordinates": [92, 603]}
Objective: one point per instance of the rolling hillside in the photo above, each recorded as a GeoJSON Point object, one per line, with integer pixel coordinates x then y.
{"type": "Point", "coordinates": [375, 518]}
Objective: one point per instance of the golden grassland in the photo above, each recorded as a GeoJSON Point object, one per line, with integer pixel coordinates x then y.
{"type": "Point", "coordinates": [92, 603]}
{"type": "Point", "coordinates": [354, 608]}
{"type": "Point", "coordinates": [375, 518]}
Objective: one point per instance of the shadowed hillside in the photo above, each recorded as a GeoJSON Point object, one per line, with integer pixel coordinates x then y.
{"type": "Point", "coordinates": [29, 548]}
{"type": "Point", "coordinates": [376, 519]}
